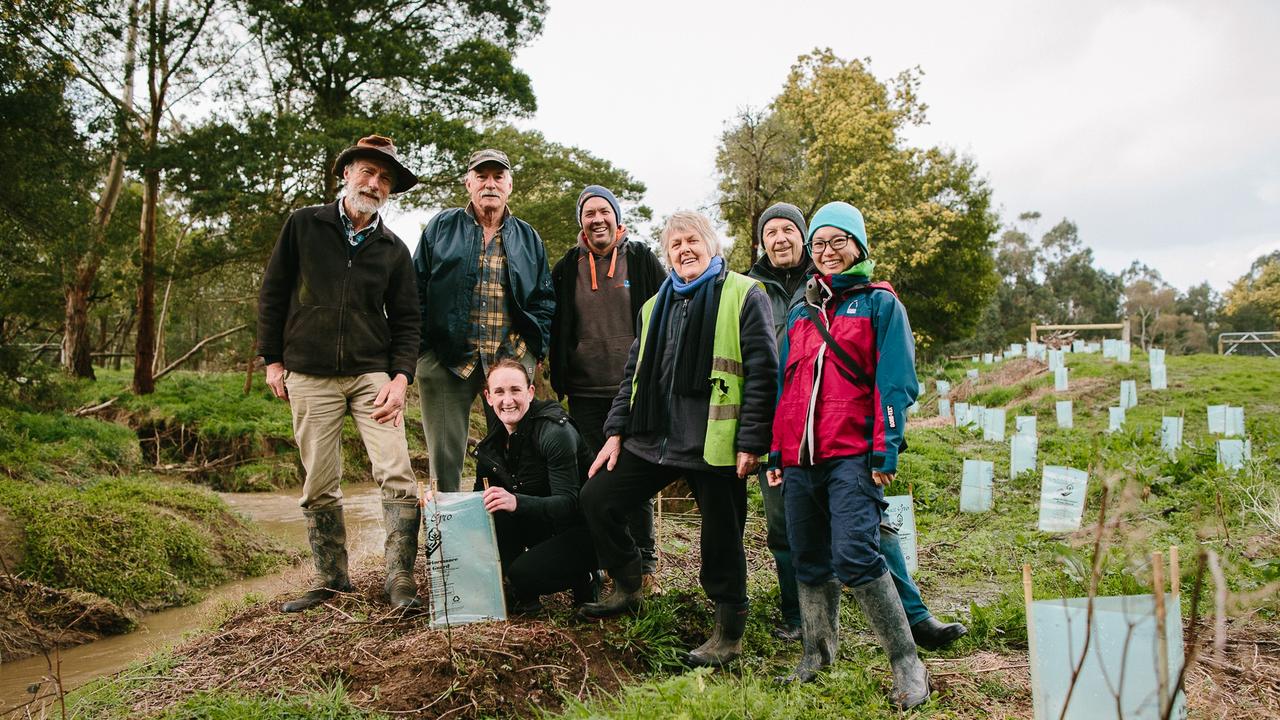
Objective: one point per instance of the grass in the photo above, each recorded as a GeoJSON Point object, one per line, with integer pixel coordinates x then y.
{"type": "Point", "coordinates": [136, 540]}
{"type": "Point", "coordinates": [55, 446]}
{"type": "Point", "coordinates": [970, 563]}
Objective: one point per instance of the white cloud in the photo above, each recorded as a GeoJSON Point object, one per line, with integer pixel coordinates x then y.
{"type": "Point", "coordinates": [1151, 123]}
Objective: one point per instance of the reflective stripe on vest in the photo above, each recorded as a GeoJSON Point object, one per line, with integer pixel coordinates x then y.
{"type": "Point", "coordinates": [726, 379]}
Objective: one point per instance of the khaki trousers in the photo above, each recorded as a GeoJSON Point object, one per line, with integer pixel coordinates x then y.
{"type": "Point", "coordinates": [319, 405]}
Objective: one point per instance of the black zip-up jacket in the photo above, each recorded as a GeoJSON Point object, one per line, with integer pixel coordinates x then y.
{"type": "Point", "coordinates": [543, 463]}
{"type": "Point", "coordinates": [645, 274]}
{"type": "Point", "coordinates": [323, 310]}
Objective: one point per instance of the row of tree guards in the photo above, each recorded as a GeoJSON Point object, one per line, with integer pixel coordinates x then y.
{"type": "Point", "coordinates": [1097, 658]}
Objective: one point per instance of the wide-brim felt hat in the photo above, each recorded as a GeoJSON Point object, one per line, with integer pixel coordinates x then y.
{"type": "Point", "coordinates": [381, 148]}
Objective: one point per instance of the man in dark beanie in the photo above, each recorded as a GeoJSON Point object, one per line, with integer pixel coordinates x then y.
{"type": "Point", "coordinates": [784, 269]}
{"type": "Point", "coordinates": [601, 284]}
{"type": "Point", "coordinates": [338, 330]}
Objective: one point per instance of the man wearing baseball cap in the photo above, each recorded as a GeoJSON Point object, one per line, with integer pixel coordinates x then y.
{"type": "Point", "coordinates": [338, 330]}
{"type": "Point", "coordinates": [601, 283]}
{"type": "Point", "coordinates": [485, 293]}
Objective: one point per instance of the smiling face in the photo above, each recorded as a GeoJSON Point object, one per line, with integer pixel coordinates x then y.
{"type": "Point", "coordinates": [489, 186]}
{"type": "Point", "coordinates": [509, 393]}
{"type": "Point", "coordinates": [829, 259]}
{"type": "Point", "coordinates": [369, 184]}
{"type": "Point", "coordinates": [599, 225]}
{"type": "Point", "coordinates": [687, 253]}
{"type": "Point", "coordinates": [782, 243]}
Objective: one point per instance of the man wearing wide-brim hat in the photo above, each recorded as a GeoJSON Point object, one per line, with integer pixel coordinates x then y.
{"type": "Point", "coordinates": [486, 294]}
{"type": "Point", "coordinates": [338, 329]}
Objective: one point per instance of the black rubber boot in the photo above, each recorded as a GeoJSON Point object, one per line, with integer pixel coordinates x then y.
{"type": "Point", "coordinates": [933, 635]}
{"type": "Point", "coordinates": [725, 644]}
{"type": "Point", "coordinates": [880, 603]}
{"type": "Point", "coordinates": [626, 595]}
{"type": "Point", "coordinates": [401, 519]}
{"type": "Point", "coordinates": [327, 534]}
{"type": "Point", "coordinates": [820, 621]}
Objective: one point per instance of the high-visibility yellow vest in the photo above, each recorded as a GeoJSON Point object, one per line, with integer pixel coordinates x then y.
{"type": "Point", "coordinates": [726, 379]}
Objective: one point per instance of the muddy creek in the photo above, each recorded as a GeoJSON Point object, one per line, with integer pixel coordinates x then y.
{"type": "Point", "coordinates": [278, 515]}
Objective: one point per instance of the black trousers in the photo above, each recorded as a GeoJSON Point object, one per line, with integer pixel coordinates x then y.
{"type": "Point", "coordinates": [609, 497]}
{"type": "Point", "coordinates": [590, 413]}
{"type": "Point", "coordinates": [538, 562]}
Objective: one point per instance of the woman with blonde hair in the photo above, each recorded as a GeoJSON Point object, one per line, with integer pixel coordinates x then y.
{"type": "Point", "coordinates": [696, 402]}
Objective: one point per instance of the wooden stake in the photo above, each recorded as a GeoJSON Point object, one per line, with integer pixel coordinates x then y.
{"type": "Point", "coordinates": [485, 481]}
{"type": "Point", "coordinates": [1162, 640]}
{"type": "Point", "coordinates": [1175, 571]}
{"type": "Point", "coordinates": [422, 494]}
{"type": "Point", "coordinates": [1026, 588]}
{"type": "Point", "coordinates": [911, 489]}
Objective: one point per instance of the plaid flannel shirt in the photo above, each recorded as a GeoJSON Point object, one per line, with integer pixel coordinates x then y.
{"type": "Point", "coordinates": [491, 334]}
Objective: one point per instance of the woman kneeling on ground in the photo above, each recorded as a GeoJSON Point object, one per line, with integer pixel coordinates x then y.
{"type": "Point", "coordinates": [848, 376]}
{"type": "Point", "coordinates": [534, 463]}
{"type": "Point", "coordinates": [696, 401]}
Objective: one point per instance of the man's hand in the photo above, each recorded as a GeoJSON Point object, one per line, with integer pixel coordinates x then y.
{"type": "Point", "coordinates": [496, 498]}
{"type": "Point", "coordinates": [773, 477]}
{"type": "Point", "coordinates": [390, 401]}
{"type": "Point", "coordinates": [747, 464]}
{"type": "Point", "coordinates": [608, 455]}
{"type": "Point", "coordinates": [275, 380]}
{"type": "Point", "coordinates": [882, 479]}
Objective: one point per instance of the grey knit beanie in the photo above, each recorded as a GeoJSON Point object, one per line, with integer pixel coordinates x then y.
{"type": "Point", "coordinates": [591, 191]}
{"type": "Point", "coordinates": [782, 210]}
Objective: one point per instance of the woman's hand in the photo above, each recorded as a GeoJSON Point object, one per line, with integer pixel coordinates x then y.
{"type": "Point", "coordinates": [774, 477]}
{"type": "Point", "coordinates": [608, 455]}
{"type": "Point", "coordinates": [882, 479]}
{"type": "Point", "coordinates": [747, 464]}
{"type": "Point", "coordinates": [496, 498]}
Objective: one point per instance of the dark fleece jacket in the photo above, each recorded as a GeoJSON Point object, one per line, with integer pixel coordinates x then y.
{"type": "Point", "coordinates": [326, 311]}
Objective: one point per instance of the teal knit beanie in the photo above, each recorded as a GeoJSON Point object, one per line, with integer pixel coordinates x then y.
{"type": "Point", "coordinates": [843, 216]}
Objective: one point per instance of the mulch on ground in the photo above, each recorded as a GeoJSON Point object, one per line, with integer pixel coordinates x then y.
{"type": "Point", "coordinates": [394, 663]}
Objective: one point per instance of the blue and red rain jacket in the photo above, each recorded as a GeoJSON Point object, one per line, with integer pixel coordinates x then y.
{"type": "Point", "coordinates": [827, 411]}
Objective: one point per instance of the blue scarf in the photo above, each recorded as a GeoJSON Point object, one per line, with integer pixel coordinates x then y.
{"type": "Point", "coordinates": [693, 364]}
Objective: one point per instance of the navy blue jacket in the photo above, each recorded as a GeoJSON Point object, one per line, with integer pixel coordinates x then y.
{"type": "Point", "coordinates": [447, 265]}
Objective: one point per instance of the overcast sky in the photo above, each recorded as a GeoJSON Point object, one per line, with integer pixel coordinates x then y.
{"type": "Point", "coordinates": [1155, 126]}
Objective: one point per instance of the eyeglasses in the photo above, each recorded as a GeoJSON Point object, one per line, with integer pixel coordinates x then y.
{"type": "Point", "coordinates": [836, 243]}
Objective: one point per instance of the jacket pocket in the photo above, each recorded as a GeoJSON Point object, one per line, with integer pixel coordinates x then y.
{"type": "Point", "coordinates": [367, 337]}
{"type": "Point", "coordinates": [311, 337]}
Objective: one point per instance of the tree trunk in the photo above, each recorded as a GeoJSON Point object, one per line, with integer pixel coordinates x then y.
{"type": "Point", "coordinates": [145, 344]}
{"type": "Point", "coordinates": [76, 356]}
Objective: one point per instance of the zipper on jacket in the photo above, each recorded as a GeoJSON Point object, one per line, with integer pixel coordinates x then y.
{"type": "Point", "coordinates": [342, 312]}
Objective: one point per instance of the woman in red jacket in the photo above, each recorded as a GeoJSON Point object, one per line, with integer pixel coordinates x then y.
{"type": "Point", "coordinates": [847, 370]}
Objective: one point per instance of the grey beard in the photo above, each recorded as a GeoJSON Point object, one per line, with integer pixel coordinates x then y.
{"type": "Point", "coordinates": [363, 205]}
